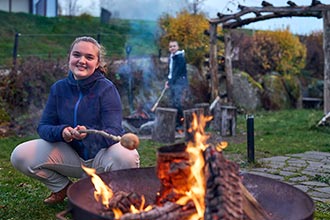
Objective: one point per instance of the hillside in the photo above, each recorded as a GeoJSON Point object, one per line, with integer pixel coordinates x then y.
{"type": "Point", "coordinates": [51, 37]}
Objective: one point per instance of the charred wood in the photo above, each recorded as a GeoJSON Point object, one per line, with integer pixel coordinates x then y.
{"type": "Point", "coordinates": [169, 210]}
{"type": "Point", "coordinates": [173, 171]}
{"type": "Point", "coordinates": [223, 199]}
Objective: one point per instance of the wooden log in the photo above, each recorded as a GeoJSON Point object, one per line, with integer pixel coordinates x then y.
{"type": "Point", "coordinates": [226, 196]}
{"type": "Point", "coordinates": [223, 198]}
{"type": "Point", "coordinates": [228, 121]}
{"type": "Point", "coordinates": [216, 121]}
{"type": "Point", "coordinates": [188, 118]}
{"type": "Point", "coordinates": [206, 111]}
{"type": "Point", "coordinates": [205, 107]}
{"type": "Point", "coordinates": [173, 171]}
{"type": "Point", "coordinates": [164, 126]}
{"type": "Point", "coordinates": [169, 210]}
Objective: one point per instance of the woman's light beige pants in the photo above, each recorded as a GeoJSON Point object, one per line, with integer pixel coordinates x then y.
{"type": "Point", "coordinates": [53, 163]}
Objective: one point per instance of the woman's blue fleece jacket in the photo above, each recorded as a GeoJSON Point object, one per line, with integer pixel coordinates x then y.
{"type": "Point", "coordinates": [93, 102]}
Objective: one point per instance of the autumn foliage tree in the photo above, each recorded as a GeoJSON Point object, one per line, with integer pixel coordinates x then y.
{"type": "Point", "coordinates": [279, 51]}
{"type": "Point", "coordinates": [189, 30]}
{"type": "Point", "coordinates": [315, 55]}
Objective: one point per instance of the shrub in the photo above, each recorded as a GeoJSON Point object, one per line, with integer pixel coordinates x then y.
{"type": "Point", "coordinates": [29, 83]}
{"type": "Point", "coordinates": [25, 89]}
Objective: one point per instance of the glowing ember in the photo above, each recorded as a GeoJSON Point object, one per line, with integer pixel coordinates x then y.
{"type": "Point", "coordinates": [102, 191]}
{"type": "Point", "coordinates": [133, 209]}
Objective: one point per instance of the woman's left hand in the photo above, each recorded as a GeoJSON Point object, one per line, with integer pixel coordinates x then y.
{"type": "Point", "coordinates": [76, 135]}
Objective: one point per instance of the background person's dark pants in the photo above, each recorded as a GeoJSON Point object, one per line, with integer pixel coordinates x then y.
{"type": "Point", "coordinates": [177, 96]}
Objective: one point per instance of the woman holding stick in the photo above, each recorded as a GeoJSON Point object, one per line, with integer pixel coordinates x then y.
{"type": "Point", "coordinates": [84, 100]}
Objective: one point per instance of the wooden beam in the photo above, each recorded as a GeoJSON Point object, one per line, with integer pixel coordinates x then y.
{"type": "Point", "coordinates": [235, 20]}
{"type": "Point", "coordinates": [242, 22]}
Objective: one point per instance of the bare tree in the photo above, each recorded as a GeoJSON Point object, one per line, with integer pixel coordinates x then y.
{"type": "Point", "coordinates": [70, 7]}
{"type": "Point", "coordinates": [196, 6]}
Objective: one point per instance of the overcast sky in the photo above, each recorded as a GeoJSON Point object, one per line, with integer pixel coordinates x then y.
{"type": "Point", "coordinates": [297, 25]}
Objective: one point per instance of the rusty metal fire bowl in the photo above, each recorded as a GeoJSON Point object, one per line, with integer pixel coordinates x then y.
{"type": "Point", "coordinates": [282, 200]}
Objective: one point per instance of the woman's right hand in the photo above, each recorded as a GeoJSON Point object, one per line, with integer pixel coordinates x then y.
{"type": "Point", "coordinates": [166, 85]}
{"type": "Point", "coordinates": [67, 134]}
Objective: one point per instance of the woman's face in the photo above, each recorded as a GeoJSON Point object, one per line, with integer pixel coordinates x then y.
{"type": "Point", "coordinates": [83, 59]}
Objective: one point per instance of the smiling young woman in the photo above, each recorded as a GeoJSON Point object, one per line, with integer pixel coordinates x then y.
{"type": "Point", "coordinates": [85, 99]}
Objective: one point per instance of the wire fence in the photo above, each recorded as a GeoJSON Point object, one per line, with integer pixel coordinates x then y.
{"type": "Point", "coordinates": [56, 46]}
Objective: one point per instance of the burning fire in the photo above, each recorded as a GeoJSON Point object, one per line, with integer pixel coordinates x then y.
{"type": "Point", "coordinates": [102, 191]}
{"type": "Point", "coordinates": [195, 150]}
{"type": "Point", "coordinates": [197, 180]}
{"type": "Point", "coordinates": [104, 194]}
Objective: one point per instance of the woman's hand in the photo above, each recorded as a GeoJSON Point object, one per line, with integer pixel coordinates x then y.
{"type": "Point", "coordinates": [166, 85]}
{"type": "Point", "coordinates": [70, 133]}
{"type": "Point", "coordinates": [67, 135]}
{"type": "Point", "coordinates": [77, 135]}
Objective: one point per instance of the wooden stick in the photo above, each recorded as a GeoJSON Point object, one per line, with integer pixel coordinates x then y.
{"type": "Point", "coordinates": [158, 100]}
{"type": "Point", "coordinates": [214, 103]}
{"type": "Point", "coordinates": [323, 119]}
{"type": "Point", "coordinates": [128, 140]}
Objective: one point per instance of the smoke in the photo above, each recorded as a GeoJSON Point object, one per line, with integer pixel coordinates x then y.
{"type": "Point", "coordinates": [143, 9]}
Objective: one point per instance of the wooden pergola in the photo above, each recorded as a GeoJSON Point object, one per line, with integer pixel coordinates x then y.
{"type": "Point", "coordinates": [267, 11]}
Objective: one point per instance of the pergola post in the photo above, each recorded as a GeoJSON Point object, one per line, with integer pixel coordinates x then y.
{"type": "Point", "coordinates": [326, 50]}
{"type": "Point", "coordinates": [228, 65]}
{"type": "Point", "coordinates": [214, 61]}
{"type": "Point", "coordinates": [231, 21]}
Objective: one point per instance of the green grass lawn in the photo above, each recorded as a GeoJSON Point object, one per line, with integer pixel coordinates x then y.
{"type": "Point", "coordinates": [276, 133]}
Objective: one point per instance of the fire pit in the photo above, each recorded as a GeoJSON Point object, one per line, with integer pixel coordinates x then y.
{"type": "Point", "coordinates": [190, 181]}
{"type": "Point", "coordinates": [138, 117]}
{"type": "Point", "coordinates": [281, 200]}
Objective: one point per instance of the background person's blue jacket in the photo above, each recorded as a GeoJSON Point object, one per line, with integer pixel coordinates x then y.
{"type": "Point", "coordinates": [179, 69]}
{"type": "Point", "coordinates": [93, 102]}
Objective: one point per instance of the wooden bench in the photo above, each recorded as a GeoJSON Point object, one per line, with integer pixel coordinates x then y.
{"type": "Point", "coordinates": [309, 102]}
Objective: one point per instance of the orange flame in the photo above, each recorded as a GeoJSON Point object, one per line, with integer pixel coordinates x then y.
{"type": "Point", "coordinates": [195, 150]}
{"type": "Point", "coordinates": [196, 193]}
{"type": "Point", "coordinates": [102, 191]}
